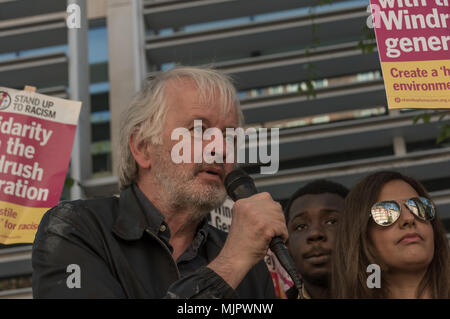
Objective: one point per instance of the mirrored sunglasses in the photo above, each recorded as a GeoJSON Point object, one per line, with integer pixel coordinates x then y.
{"type": "Point", "coordinates": [387, 213]}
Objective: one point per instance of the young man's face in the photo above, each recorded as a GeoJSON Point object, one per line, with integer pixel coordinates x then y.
{"type": "Point", "coordinates": [312, 229]}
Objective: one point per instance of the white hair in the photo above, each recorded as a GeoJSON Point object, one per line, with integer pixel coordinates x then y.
{"type": "Point", "coordinates": [145, 117]}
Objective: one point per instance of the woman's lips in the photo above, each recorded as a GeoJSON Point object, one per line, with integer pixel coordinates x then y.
{"type": "Point", "coordinates": [410, 238]}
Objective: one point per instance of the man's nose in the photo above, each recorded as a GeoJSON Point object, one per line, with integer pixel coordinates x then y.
{"type": "Point", "coordinates": [316, 233]}
{"type": "Point", "coordinates": [218, 153]}
{"type": "Point", "coordinates": [213, 146]}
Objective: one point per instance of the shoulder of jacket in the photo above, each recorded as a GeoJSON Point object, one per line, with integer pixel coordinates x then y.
{"type": "Point", "coordinates": [78, 211]}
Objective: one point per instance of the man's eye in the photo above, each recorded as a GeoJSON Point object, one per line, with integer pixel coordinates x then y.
{"type": "Point", "coordinates": [301, 227]}
{"type": "Point", "coordinates": [229, 138]}
{"type": "Point", "coordinates": [331, 221]}
{"type": "Point", "coordinates": [198, 130]}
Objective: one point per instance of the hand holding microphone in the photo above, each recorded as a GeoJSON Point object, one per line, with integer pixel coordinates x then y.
{"type": "Point", "coordinates": [239, 185]}
{"type": "Point", "coordinates": [258, 222]}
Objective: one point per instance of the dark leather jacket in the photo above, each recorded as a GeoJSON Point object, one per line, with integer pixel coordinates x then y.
{"type": "Point", "coordinates": [120, 256]}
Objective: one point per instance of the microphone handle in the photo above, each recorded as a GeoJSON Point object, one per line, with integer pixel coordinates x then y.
{"type": "Point", "coordinates": [285, 259]}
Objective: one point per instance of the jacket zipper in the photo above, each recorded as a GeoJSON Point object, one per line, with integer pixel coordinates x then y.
{"type": "Point", "coordinates": [166, 249]}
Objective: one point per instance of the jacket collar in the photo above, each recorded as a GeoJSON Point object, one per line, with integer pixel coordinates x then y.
{"type": "Point", "coordinates": [130, 223]}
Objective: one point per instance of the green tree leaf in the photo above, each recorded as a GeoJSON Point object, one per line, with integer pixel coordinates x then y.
{"type": "Point", "coordinates": [68, 183]}
{"type": "Point", "coordinates": [445, 134]}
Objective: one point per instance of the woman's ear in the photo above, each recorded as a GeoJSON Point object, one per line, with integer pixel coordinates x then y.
{"type": "Point", "coordinates": [140, 153]}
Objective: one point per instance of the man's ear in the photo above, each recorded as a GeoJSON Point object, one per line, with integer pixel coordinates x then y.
{"type": "Point", "coordinates": [140, 153]}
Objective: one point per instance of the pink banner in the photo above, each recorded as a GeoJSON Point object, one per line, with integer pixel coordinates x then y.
{"type": "Point", "coordinates": [36, 138]}
{"type": "Point", "coordinates": [413, 38]}
{"type": "Point", "coordinates": [412, 30]}
{"type": "Point", "coordinates": [33, 159]}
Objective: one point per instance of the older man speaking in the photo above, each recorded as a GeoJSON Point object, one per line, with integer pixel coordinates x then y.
{"type": "Point", "coordinates": [154, 240]}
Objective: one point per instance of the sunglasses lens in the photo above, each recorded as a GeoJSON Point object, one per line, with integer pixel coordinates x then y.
{"type": "Point", "coordinates": [385, 213]}
{"type": "Point", "coordinates": [422, 207]}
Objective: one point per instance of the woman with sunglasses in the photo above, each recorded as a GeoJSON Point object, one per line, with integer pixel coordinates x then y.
{"type": "Point", "coordinates": [390, 221]}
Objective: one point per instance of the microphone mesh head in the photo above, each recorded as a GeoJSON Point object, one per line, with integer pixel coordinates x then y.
{"type": "Point", "coordinates": [234, 176]}
{"type": "Point", "coordinates": [239, 184]}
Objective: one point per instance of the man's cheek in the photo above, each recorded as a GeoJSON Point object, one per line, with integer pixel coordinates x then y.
{"type": "Point", "coordinates": [229, 167]}
{"type": "Point", "coordinates": [295, 248]}
{"type": "Point", "coordinates": [331, 235]}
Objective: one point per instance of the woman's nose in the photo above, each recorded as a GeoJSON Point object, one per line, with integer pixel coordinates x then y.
{"type": "Point", "coordinates": [406, 217]}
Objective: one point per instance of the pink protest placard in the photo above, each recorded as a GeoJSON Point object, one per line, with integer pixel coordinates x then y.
{"type": "Point", "coordinates": [413, 38]}
{"type": "Point", "coordinates": [36, 138]}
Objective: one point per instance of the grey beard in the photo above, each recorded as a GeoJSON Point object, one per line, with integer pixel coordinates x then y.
{"type": "Point", "coordinates": [199, 203]}
{"type": "Point", "coordinates": [184, 194]}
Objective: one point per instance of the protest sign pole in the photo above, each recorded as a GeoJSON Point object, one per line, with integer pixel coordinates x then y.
{"type": "Point", "coordinates": [79, 80]}
{"type": "Point", "coordinates": [29, 88]}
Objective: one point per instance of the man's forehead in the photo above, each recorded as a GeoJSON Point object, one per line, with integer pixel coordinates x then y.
{"type": "Point", "coordinates": [186, 97]}
{"type": "Point", "coordinates": [316, 202]}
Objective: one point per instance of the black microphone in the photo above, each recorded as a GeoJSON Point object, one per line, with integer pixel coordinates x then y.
{"type": "Point", "coordinates": [240, 185]}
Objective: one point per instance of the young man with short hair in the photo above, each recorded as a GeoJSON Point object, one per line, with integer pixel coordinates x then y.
{"type": "Point", "coordinates": [311, 216]}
